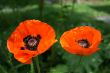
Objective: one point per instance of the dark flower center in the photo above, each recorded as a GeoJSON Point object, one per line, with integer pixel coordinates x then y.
{"type": "Point", "coordinates": [84, 43]}
{"type": "Point", "coordinates": [31, 42]}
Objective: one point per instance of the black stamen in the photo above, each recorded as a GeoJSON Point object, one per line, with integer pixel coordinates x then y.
{"type": "Point", "coordinates": [25, 40]}
{"type": "Point", "coordinates": [31, 42]}
{"type": "Point", "coordinates": [84, 43]}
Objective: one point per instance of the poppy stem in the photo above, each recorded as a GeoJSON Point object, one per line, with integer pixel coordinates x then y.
{"type": "Point", "coordinates": [36, 60]}
{"type": "Point", "coordinates": [3, 69]}
{"type": "Point", "coordinates": [32, 68]}
{"type": "Point", "coordinates": [20, 65]}
{"type": "Point", "coordinates": [13, 69]}
{"type": "Point", "coordinates": [61, 4]}
{"type": "Point", "coordinates": [80, 59]}
{"type": "Point", "coordinates": [79, 63]}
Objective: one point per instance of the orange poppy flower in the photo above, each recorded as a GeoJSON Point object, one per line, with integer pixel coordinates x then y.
{"type": "Point", "coordinates": [83, 40]}
{"type": "Point", "coordinates": [30, 38]}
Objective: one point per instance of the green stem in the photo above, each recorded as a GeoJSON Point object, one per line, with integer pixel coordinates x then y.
{"type": "Point", "coordinates": [80, 60]}
{"type": "Point", "coordinates": [2, 69]}
{"type": "Point", "coordinates": [13, 69]}
{"type": "Point", "coordinates": [20, 65]}
{"type": "Point", "coordinates": [32, 68]}
{"type": "Point", "coordinates": [61, 4]}
{"type": "Point", "coordinates": [73, 5]}
{"type": "Point", "coordinates": [41, 8]}
{"type": "Point", "coordinates": [52, 57]}
{"type": "Point", "coordinates": [38, 65]}
{"type": "Point", "coordinates": [36, 60]}
{"type": "Point", "coordinates": [79, 63]}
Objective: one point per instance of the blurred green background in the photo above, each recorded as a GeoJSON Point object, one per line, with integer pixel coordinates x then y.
{"type": "Point", "coordinates": [62, 15]}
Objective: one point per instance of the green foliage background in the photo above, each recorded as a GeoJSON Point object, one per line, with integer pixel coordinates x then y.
{"type": "Point", "coordinates": [62, 18]}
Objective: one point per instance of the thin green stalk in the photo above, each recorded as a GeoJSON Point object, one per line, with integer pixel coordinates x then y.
{"type": "Point", "coordinates": [20, 65]}
{"type": "Point", "coordinates": [2, 69]}
{"type": "Point", "coordinates": [41, 8]}
{"type": "Point", "coordinates": [36, 61]}
{"type": "Point", "coordinates": [80, 62]}
{"type": "Point", "coordinates": [38, 65]}
{"type": "Point", "coordinates": [32, 68]}
{"type": "Point", "coordinates": [73, 5]}
{"type": "Point", "coordinates": [52, 57]}
{"type": "Point", "coordinates": [13, 69]}
{"type": "Point", "coordinates": [61, 4]}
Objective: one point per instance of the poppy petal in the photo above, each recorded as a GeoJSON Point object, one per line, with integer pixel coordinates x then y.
{"type": "Point", "coordinates": [47, 41]}
{"type": "Point", "coordinates": [45, 45]}
{"type": "Point", "coordinates": [23, 58]}
{"type": "Point", "coordinates": [14, 43]}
